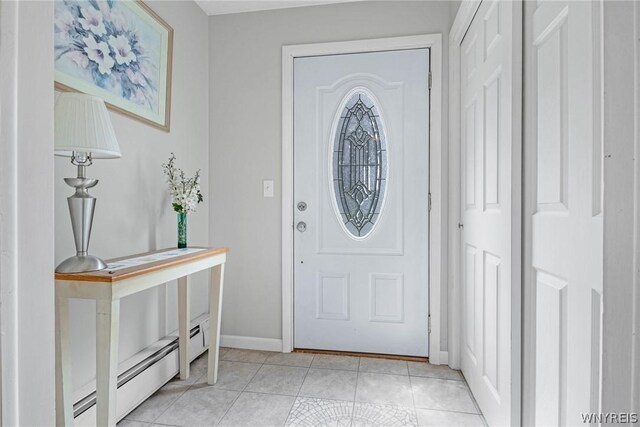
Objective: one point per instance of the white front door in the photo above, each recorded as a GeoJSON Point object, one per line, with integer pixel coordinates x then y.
{"type": "Point", "coordinates": [361, 147]}
{"type": "Point", "coordinates": [491, 167]}
{"type": "Point", "coordinates": [565, 263]}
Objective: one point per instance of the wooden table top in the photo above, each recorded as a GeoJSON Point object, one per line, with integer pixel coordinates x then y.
{"type": "Point", "coordinates": [108, 275]}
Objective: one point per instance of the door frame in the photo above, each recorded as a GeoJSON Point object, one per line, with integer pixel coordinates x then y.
{"type": "Point", "coordinates": [620, 38]}
{"type": "Point", "coordinates": [464, 18]}
{"type": "Point", "coordinates": [436, 224]}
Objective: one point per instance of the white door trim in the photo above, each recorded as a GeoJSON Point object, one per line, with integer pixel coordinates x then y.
{"type": "Point", "coordinates": [461, 24]}
{"type": "Point", "coordinates": [289, 53]}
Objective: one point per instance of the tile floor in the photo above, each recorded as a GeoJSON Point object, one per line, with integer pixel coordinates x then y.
{"type": "Point", "coordinates": [258, 388]}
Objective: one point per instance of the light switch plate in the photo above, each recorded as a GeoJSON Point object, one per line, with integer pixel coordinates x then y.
{"type": "Point", "coordinates": [267, 188]}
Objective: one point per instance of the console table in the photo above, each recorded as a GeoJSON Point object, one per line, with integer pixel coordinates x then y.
{"type": "Point", "coordinates": [126, 276]}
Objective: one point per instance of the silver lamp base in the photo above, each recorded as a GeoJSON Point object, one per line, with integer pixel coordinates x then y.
{"type": "Point", "coordinates": [81, 208]}
{"type": "Point", "coordinates": [81, 263]}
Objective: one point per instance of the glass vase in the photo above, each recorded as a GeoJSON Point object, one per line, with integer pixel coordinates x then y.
{"type": "Point", "coordinates": [182, 229]}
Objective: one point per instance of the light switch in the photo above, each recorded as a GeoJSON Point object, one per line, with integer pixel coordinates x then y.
{"type": "Point", "coordinates": [267, 188]}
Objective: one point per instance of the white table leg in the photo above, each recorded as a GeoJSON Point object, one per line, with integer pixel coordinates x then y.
{"type": "Point", "coordinates": [64, 404]}
{"type": "Point", "coordinates": [107, 325]}
{"type": "Point", "coordinates": [215, 311]}
{"type": "Point", "coordinates": [184, 321]}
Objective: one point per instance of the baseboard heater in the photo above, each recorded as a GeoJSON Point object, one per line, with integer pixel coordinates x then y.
{"type": "Point", "coordinates": [143, 374]}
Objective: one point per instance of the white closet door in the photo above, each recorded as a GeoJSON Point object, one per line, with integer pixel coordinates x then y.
{"type": "Point", "coordinates": [491, 167]}
{"type": "Point", "coordinates": [564, 271]}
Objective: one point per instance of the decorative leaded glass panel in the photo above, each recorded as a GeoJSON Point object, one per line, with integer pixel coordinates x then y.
{"type": "Point", "coordinates": [359, 164]}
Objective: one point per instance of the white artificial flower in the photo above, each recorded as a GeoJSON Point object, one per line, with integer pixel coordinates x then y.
{"type": "Point", "coordinates": [64, 21]}
{"type": "Point", "coordinates": [136, 77]}
{"type": "Point", "coordinates": [79, 58]}
{"type": "Point", "coordinates": [122, 49]}
{"type": "Point", "coordinates": [92, 21]}
{"type": "Point", "coordinates": [99, 53]}
{"type": "Point", "coordinates": [119, 19]}
{"type": "Point", "coordinates": [185, 192]}
{"type": "Point", "coordinates": [103, 6]}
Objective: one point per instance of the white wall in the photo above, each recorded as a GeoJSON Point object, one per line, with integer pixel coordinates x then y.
{"type": "Point", "coordinates": [133, 211]}
{"type": "Point", "coordinates": [245, 113]}
{"type": "Point", "coordinates": [26, 214]}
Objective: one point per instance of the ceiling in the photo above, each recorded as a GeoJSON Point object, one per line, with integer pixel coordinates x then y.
{"type": "Point", "coordinates": [222, 7]}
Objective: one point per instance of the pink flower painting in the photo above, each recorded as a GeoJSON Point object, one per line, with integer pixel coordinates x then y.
{"type": "Point", "coordinates": [115, 49]}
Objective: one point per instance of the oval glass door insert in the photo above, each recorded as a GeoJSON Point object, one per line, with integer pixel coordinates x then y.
{"type": "Point", "coordinates": [359, 164]}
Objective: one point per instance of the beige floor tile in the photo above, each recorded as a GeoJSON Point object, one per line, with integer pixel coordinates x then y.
{"type": "Point", "coordinates": [419, 369]}
{"type": "Point", "coordinates": [199, 406]}
{"type": "Point", "coordinates": [384, 389]}
{"type": "Point", "coordinates": [372, 414]}
{"type": "Point", "coordinates": [308, 411]}
{"type": "Point", "coordinates": [259, 388]}
{"type": "Point", "coordinates": [256, 409]}
{"type": "Point", "coordinates": [431, 418]}
{"type": "Point", "coordinates": [330, 384]}
{"type": "Point", "coordinates": [278, 380]}
{"type": "Point", "coordinates": [329, 361]}
{"type": "Point", "coordinates": [233, 375]}
{"type": "Point", "coordinates": [447, 395]}
{"type": "Point", "coordinates": [383, 366]}
{"type": "Point", "coordinates": [290, 359]}
{"type": "Point", "coordinates": [155, 405]}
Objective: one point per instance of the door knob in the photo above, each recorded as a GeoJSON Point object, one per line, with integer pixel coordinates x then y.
{"type": "Point", "coordinates": [302, 206]}
{"type": "Point", "coordinates": [302, 226]}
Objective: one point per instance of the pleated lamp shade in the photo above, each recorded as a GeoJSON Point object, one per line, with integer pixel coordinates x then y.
{"type": "Point", "coordinates": [82, 125]}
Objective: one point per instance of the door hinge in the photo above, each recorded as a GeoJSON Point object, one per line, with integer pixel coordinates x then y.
{"type": "Point", "coordinates": [429, 323]}
{"type": "Point", "coordinates": [429, 202]}
{"type": "Point", "coordinates": [430, 80]}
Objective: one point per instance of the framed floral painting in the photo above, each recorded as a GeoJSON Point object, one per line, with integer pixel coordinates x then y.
{"type": "Point", "coordinates": [119, 50]}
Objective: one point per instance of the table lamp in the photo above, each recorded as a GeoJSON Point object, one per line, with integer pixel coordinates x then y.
{"type": "Point", "coordinates": [83, 132]}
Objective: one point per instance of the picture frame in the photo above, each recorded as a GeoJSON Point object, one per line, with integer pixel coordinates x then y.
{"type": "Point", "coordinates": [118, 50]}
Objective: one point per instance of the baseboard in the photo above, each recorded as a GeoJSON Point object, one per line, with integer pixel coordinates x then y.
{"type": "Point", "coordinates": [251, 343]}
{"type": "Point", "coordinates": [143, 384]}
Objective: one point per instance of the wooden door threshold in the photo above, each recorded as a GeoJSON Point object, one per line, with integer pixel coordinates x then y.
{"type": "Point", "coordinates": [356, 354]}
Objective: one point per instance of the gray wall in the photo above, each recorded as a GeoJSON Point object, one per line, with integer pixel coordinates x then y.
{"type": "Point", "coordinates": [133, 212]}
{"type": "Point", "coordinates": [454, 5]}
{"type": "Point", "coordinates": [245, 120]}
